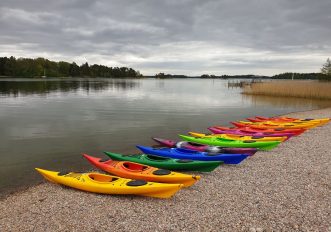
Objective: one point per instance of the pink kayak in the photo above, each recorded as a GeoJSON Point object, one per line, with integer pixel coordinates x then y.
{"type": "Point", "coordinates": [239, 131]}
{"type": "Point", "coordinates": [205, 148]}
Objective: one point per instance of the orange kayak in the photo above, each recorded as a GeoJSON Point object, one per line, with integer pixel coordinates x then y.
{"type": "Point", "coordinates": [137, 171]}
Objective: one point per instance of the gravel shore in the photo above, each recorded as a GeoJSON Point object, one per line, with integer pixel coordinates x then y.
{"type": "Point", "coordinates": [286, 189]}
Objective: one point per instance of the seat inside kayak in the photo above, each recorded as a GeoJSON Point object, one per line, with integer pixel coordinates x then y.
{"type": "Point", "coordinates": [249, 141]}
{"type": "Point", "coordinates": [134, 167]}
{"type": "Point", "coordinates": [213, 154]}
{"type": "Point", "coordinates": [184, 161]}
{"type": "Point", "coordinates": [225, 140]}
{"type": "Point", "coordinates": [257, 137]}
{"type": "Point", "coordinates": [156, 158]}
{"type": "Point", "coordinates": [102, 178]}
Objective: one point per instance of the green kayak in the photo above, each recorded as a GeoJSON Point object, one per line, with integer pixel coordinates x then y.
{"type": "Point", "coordinates": [167, 163]}
{"type": "Point", "coordinates": [216, 141]}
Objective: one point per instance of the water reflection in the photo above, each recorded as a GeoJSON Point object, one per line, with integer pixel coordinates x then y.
{"type": "Point", "coordinates": [15, 88]}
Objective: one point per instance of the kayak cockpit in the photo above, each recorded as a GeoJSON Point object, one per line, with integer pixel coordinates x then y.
{"type": "Point", "coordinates": [134, 167]}
{"type": "Point", "coordinates": [156, 158]}
{"type": "Point", "coordinates": [101, 178]}
{"type": "Point", "coordinates": [186, 151]}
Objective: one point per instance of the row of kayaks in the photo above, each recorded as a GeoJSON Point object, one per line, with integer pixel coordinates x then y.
{"type": "Point", "coordinates": [154, 173]}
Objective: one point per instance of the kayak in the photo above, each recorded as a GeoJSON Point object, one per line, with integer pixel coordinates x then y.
{"type": "Point", "coordinates": [181, 153]}
{"type": "Point", "coordinates": [266, 145]}
{"type": "Point", "coordinates": [137, 171]}
{"type": "Point", "coordinates": [320, 121]}
{"type": "Point", "coordinates": [106, 184]}
{"type": "Point", "coordinates": [239, 131]}
{"type": "Point", "coordinates": [167, 163]}
{"type": "Point", "coordinates": [238, 137]}
{"type": "Point", "coordinates": [275, 125]}
{"type": "Point", "coordinates": [251, 129]}
{"type": "Point", "coordinates": [264, 126]}
{"type": "Point", "coordinates": [205, 148]}
{"type": "Point", "coordinates": [291, 119]}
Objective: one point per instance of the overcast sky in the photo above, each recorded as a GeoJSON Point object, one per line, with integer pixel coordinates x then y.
{"type": "Point", "coordinates": [173, 36]}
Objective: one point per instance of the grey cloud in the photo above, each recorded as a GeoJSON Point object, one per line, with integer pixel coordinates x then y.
{"type": "Point", "coordinates": [188, 36]}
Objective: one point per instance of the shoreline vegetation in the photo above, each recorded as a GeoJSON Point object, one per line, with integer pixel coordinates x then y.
{"type": "Point", "coordinates": [41, 68]}
{"type": "Point", "coordinates": [11, 67]}
{"type": "Point", "coordinates": [299, 89]}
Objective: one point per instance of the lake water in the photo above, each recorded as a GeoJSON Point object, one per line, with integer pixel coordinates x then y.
{"type": "Point", "coordinates": [49, 123]}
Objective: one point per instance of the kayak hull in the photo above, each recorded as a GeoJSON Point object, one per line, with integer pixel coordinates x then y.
{"type": "Point", "coordinates": [270, 131]}
{"type": "Point", "coordinates": [320, 121]}
{"type": "Point", "coordinates": [276, 125]}
{"type": "Point", "coordinates": [205, 148]}
{"type": "Point", "coordinates": [137, 171]}
{"type": "Point", "coordinates": [267, 145]}
{"type": "Point", "coordinates": [180, 153]}
{"type": "Point", "coordinates": [106, 184]}
{"type": "Point", "coordinates": [167, 163]}
{"type": "Point", "coordinates": [270, 128]}
{"type": "Point", "coordinates": [239, 131]}
{"type": "Point", "coordinates": [239, 137]}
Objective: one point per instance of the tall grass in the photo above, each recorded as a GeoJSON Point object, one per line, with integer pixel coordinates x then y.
{"type": "Point", "coordinates": [303, 89]}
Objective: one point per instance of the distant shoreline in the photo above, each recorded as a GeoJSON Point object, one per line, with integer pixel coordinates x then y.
{"type": "Point", "coordinates": [236, 77]}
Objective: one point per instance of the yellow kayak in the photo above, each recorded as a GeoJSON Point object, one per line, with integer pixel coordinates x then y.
{"type": "Point", "coordinates": [107, 184]}
{"type": "Point", "coordinates": [294, 125]}
{"type": "Point", "coordinates": [238, 137]}
{"type": "Point", "coordinates": [317, 122]}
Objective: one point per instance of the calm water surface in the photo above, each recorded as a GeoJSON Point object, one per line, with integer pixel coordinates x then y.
{"type": "Point", "coordinates": [49, 123]}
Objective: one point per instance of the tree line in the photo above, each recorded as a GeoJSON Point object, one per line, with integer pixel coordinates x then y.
{"type": "Point", "coordinates": [325, 74]}
{"type": "Point", "coordinates": [39, 67]}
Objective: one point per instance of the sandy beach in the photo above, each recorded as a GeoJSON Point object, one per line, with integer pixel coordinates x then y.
{"type": "Point", "coordinates": [286, 189]}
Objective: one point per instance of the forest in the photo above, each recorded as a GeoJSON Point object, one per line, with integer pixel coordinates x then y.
{"type": "Point", "coordinates": [41, 67]}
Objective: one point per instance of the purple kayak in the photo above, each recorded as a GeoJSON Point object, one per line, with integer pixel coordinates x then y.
{"type": "Point", "coordinates": [205, 148]}
{"type": "Point", "coordinates": [247, 133]}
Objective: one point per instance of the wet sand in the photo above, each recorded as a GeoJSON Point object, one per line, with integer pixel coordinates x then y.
{"type": "Point", "coordinates": [286, 189]}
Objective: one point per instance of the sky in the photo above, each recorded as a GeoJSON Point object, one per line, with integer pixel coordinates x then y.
{"type": "Point", "coordinates": [191, 37]}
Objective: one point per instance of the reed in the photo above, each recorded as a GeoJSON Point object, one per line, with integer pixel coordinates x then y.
{"type": "Point", "coordinates": [303, 89]}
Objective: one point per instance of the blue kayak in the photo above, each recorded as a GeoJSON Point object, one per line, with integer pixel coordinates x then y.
{"type": "Point", "coordinates": [181, 153]}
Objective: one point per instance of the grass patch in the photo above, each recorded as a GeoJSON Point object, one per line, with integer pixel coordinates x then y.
{"type": "Point", "coordinates": [302, 89]}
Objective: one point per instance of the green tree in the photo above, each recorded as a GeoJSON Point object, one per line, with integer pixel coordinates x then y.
{"type": "Point", "coordinates": [326, 68]}
{"type": "Point", "coordinates": [85, 70]}
{"type": "Point", "coordinates": [27, 67]}
{"type": "Point", "coordinates": [64, 68]}
{"type": "Point", "coordinates": [74, 70]}
{"type": "Point", "coordinates": [3, 61]}
{"type": "Point", "coordinates": [10, 67]}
